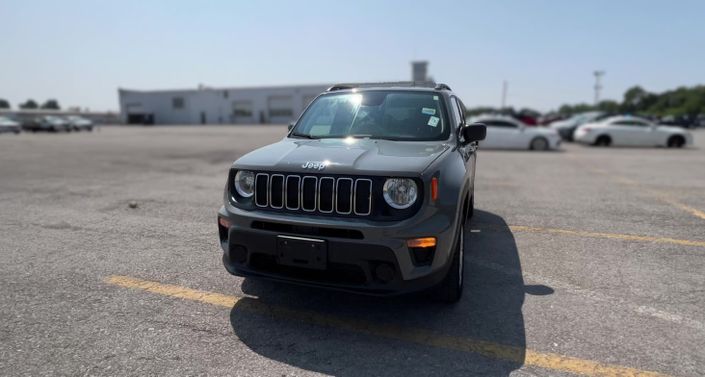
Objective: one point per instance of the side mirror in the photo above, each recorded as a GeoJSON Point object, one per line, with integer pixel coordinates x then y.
{"type": "Point", "coordinates": [474, 132]}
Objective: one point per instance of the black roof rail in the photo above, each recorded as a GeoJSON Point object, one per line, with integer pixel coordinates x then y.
{"type": "Point", "coordinates": [339, 87]}
{"type": "Point", "coordinates": [389, 84]}
{"type": "Point", "coordinates": [442, 86]}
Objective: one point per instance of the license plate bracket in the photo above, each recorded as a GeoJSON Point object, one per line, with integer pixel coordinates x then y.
{"type": "Point", "coordinates": [302, 252]}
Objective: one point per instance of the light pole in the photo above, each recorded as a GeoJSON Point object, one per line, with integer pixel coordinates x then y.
{"type": "Point", "coordinates": [598, 85]}
{"type": "Point", "coordinates": [504, 94]}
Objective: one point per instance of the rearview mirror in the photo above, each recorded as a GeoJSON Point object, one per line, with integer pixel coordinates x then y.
{"type": "Point", "coordinates": [291, 125]}
{"type": "Point", "coordinates": [474, 132]}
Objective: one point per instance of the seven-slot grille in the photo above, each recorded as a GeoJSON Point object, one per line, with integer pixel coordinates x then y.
{"type": "Point", "coordinates": [310, 193]}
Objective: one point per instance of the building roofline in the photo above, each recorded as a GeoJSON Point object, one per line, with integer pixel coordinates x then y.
{"type": "Point", "coordinates": [215, 89]}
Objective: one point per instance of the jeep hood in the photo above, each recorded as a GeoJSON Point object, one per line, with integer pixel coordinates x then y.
{"type": "Point", "coordinates": [345, 156]}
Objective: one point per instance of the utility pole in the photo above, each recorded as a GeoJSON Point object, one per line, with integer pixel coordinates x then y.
{"type": "Point", "coordinates": [504, 94]}
{"type": "Point", "coordinates": [598, 85]}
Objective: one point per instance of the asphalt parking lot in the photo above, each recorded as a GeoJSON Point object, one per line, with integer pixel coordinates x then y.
{"type": "Point", "coordinates": [587, 261]}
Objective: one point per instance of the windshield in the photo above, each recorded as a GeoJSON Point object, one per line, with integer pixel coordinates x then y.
{"type": "Point", "coordinates": [394, 115]}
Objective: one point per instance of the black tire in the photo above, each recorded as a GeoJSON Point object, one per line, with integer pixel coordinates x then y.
{"type": "Point", "coordinates": [676, 141]}
{"type": "Point", "coordinates": [603, 141]}
{"type": "Point", "coordinates": [539, 144]}
{"type": "Point", "coordinates": [451, 288]}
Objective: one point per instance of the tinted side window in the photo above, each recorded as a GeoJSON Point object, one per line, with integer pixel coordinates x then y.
{"type": "Point", "coordinates": [461, 110]}
{"type": "Point", "coordinates": [457, 114]}
{"type": "Point", "coordinates": [632, 123]}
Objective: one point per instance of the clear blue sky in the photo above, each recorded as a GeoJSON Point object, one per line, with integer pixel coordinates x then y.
{"type": "Point", "coordinates": [80, 52]}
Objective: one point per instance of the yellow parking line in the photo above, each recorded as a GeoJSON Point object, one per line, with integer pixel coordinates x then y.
{"type": "Point", "coordinates": [419, 336]}
{"type": "Point", "coordinates": [618, 236]}
{"type": "Point", "coordinates": [693, 211]}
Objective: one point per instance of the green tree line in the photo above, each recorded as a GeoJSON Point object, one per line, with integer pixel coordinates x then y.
{"type": "Point", "coordinates": [686, 102]}
{"type": "Point", "coordinates": [680, 102]}
{"type": "Point", "coordinates": [50, 104]}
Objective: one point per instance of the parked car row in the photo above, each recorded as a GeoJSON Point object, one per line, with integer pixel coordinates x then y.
{"type": "Point", "coordinates": [48, 123]}
{"type": "Point", "coordinates": [592, 128]}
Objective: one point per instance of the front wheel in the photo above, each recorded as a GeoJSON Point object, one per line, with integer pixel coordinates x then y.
{"type": "Point", "coordinates": [603, 141]}
{"type": "Point", "coordinates": [539, 144]}
{"type": "Point", "coordinates": [676, 142]}
{"type": "Point", "coordinates": [451, 288]}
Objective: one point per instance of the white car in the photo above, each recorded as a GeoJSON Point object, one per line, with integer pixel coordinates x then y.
{"type": "Point", "coordinates": [504, 132]}
{"type": "Point", "coordinates": [9, 125]}
{"type": "Point", "coordinates": [80, 123]}
{"type": "Point", "coordinates": [632, 131]}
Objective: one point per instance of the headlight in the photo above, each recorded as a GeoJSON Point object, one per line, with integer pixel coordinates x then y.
{"type": "Point", "coordinates": [245, 183]}
{"type": "Point", "coordinates": [400, 193]}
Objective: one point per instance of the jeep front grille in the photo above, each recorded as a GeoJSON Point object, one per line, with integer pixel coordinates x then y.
{"type": "Point", "coordinates": [310, 193]}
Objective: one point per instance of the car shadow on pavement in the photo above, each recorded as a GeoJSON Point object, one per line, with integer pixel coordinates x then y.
{"type": "Point", "coordinates": [350, 335]}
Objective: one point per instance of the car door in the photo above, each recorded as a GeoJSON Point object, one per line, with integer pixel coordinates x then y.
{"type": "Point", "coordinates": [494, 135]}
{"type": "Point", "coordinates": [643, 133]}
{"type": "Point", "coordinates": [518, 136]}
{"type": "Point", "coordinates": [502, 134]}
{"type": "Point", "coordinates": [630, 132]}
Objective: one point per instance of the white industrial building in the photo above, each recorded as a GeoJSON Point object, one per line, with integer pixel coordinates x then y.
{"type": "Point", "coordinates": [205, 105]}
{"type": "Point", "coordinates": [277, 104]}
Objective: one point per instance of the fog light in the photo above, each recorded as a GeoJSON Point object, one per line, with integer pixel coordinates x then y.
{"type": "Point", "coordinates": [238, 254]}
{"type": "Point", "coordinates": [384, 272]}
{"type": "Point", "coordinates": [421, 242]}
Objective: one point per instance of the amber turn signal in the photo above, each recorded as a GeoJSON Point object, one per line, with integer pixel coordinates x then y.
{"type": "Point", "coordinates": [421, 242]}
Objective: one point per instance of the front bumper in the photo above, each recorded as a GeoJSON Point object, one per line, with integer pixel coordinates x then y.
{"type": "Point", "coordinates": [583, 137]}
{"type": "Point", "coordinates": [14, 129]}
{"type": "Point", "coordinates": [362, 256]}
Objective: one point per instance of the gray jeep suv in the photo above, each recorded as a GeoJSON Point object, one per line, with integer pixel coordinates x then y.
{"type": "Point", "coordinates": [368, 192]}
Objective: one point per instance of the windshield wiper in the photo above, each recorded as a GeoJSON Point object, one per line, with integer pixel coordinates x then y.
{"type": "Point", "coordinates": [304, 136]}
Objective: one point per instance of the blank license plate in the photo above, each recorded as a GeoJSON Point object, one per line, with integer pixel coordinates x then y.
{"type": "Point", "coordinates": [302, 252]}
